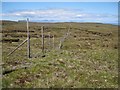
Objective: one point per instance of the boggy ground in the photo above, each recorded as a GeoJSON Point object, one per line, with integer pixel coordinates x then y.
{"type": "Point", "coordinates": [88, 57]}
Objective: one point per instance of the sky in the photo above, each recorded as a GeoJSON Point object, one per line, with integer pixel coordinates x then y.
{"type": "Point", "coordinates": [60, 0]}
{"type": "Point", "coordinates": [101, 12]}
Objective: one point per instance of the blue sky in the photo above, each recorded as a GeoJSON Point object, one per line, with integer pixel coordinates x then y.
{"type": "Point", "coordinates": [60, 0]}
{"type": "Point", "coordinates": [103, 12]}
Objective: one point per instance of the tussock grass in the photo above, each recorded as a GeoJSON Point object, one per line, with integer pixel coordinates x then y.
{"type": "Point", "coordinates": [86, 60]}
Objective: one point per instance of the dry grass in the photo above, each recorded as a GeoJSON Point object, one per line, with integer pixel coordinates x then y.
{"type": "Point", "coordinates": [88, 58]}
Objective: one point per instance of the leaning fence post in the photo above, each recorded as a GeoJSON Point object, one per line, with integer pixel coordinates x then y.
{"type": "Point", "coordinates": [64, 37]}
{"type": "Point", "coordinates": [17, 47]}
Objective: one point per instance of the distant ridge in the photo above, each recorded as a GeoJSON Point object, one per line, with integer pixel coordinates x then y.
{"type": "Point", "coordinates": [51, 21]}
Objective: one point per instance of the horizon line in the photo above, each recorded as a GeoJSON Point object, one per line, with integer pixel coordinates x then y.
{"type": "Point", "coordinates": [62, 22]}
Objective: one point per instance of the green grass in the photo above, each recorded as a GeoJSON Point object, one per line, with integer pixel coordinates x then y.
{"type": "Point", "coordinates": [81, 63]}
{"type": "Point", "coordinates": [63, 69]}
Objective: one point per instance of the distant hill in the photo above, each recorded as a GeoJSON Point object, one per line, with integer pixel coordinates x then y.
{"type": "Point", "coordinates": [46, 21]}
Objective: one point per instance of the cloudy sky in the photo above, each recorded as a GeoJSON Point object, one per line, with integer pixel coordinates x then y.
{"type": "Point", "coordinates": [103, 12]}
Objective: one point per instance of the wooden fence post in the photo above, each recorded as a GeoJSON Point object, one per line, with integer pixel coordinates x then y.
{"type": "Point", "coordinates": [28, 41]}
{"type": "Point", "coordinates": [17, 47]}
{"type": "Point", "coordinates": [53, 41]}
{"type": "Point", "coordinates": [49, 41]}
{"type": "Point", "coordinates": [42, 32]}
{"type": "Point", "coordinates": [63, 39]}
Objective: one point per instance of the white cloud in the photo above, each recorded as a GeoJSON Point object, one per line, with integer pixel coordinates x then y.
{"type": "Point", "coordinates": [60, 15]}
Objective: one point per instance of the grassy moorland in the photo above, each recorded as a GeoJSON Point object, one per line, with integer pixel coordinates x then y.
{"type": "Point", "coordinates": [88, 57]}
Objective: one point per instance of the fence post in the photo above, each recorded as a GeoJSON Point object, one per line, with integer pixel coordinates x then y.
{"type": "Point", "coordinates": [53, 41]}
{"type": "Point", "coordinates": [28, 39]}
{"type": "Point", "coordinates": [49, 41]}
{"type": "Point", "coordinates": [17, 47]}
{"type": "Point", "coordinates": [64, 37]}
{"type": "Point", "coordinates": [42, 32]}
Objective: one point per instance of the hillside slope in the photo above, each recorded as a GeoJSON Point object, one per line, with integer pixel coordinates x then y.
{"type": "Point", "coordinates": [88, 57]}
